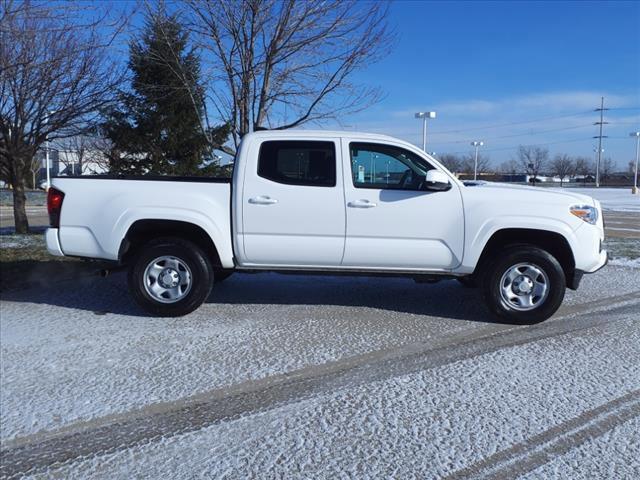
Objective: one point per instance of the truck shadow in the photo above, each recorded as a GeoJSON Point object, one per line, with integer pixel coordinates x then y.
{"type": "Point", "coordinates": [446, 299]}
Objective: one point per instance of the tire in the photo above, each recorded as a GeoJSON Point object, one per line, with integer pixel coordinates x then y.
{"type": "Point", "coordinates": [523, 284]}
{"type": "Point", "coordinates": [170, 277]}
{"type": "Point", "coordinates": [221, 275]}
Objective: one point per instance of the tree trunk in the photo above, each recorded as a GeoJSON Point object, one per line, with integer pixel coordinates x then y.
{"type": "Point", "coordinates": [19, 207]}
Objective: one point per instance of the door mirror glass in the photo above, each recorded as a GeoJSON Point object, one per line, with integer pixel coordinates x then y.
{"type": "Point", "coordinates": [436, 180]}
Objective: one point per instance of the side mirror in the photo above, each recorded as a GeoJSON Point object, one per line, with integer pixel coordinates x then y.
{"type": "Point", "coordinates": [436, 180]}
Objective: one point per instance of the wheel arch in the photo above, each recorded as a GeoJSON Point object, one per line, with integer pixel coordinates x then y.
{"type": "Point", "coordinates": [554, 243]}
{"type": "Point", "coordinates": [142, 231]}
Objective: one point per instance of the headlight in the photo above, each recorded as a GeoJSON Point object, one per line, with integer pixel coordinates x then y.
{"type": "Point", "coordinates": [585, 212]}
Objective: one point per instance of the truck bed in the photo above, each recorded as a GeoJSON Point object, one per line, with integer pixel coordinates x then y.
{"type": "Point", "coordinates": [99, 210]}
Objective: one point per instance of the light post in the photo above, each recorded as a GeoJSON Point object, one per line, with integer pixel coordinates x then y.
{"type": "Point", "coordinates": [424, 116]}
{"type": "Point", "coordinates": [46, 151]}
{"type": "Point", "coordinates": [476, 145]}
{"type": "Point", "coordinates": [598, 151]}
{"type": "Point", "coordinates": [634, 190]}
{"type": "Point", "coordinates": [46, 156]}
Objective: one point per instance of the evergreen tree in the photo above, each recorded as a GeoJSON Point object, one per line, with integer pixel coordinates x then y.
{"type": "Point", "coordinates": [158, 126]}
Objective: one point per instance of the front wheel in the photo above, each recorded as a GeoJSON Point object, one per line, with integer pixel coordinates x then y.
{"type": "Point", "coordinates": [171, 277]}
{"type": "Point", "coordinates": [523, 285]}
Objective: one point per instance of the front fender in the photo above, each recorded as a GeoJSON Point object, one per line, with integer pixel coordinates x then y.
{"type": "Point", "coordinates": [476, 243]}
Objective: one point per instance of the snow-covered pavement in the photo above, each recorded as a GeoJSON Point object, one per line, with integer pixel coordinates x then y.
{"type": "Point", "coordinates": [614, 199]}
{"type": "Point", "coordinates": [284, 376]}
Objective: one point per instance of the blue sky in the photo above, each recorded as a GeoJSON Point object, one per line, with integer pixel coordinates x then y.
{"type": "Point", "coordinates": [481, 64]}
{"type": "Point", "coordinates": [507, 73]}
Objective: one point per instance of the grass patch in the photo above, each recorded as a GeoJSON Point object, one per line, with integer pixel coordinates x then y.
{"type": "Point", "coordinates": [25, 263]}
{"type": "Point", "coordinates": [34, 197]}
{"type": "Point", "coordinates": [619, 247]}
{"type": "Point", "coordinates": [30, 247]}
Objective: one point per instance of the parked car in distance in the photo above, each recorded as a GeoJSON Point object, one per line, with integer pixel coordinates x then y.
{"type": "Point", "coordinates": [327, 203]}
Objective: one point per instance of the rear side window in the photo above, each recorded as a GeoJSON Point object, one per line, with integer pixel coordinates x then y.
{"type": "Point", "coordinates": [298, 163]}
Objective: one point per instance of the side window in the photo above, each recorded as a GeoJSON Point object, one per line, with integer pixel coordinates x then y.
{"type": "Point", "coordinates": [386, 167]}
{"type": "Point", "coordinates": [298, 162]}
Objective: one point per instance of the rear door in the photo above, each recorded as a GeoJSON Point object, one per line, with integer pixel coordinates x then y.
{"type": "Point", "coordinates": [293, 204]}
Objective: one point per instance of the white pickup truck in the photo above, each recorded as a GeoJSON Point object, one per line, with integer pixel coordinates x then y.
{"type": "Point", "coordinates": [327, 203]}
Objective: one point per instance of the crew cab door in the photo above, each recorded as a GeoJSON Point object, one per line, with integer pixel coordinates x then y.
{"type": "Point", "coordinates": [293, 210]}
{"type": "Point", "coordinates": [392, 220]}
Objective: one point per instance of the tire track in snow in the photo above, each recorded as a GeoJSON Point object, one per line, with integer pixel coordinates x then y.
{"type": "Point", "coordinates": [103, 436]}
{"type": "Point", "coordinates": [542, 448]}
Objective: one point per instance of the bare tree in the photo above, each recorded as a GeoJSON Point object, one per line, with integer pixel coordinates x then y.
{"type": "Point", "coordinates": [607, 168]}
{"type": "Point", "coordinates": [509, 167]}
{"type": "Point", "coordinates": [81, 154]}
{"type": "Point", "coordinates": [55, 74]}
{"type": "Point", "coordinates": [99, 156]}
{"type": "Point", "coordinates": [467, 163]}
{"type": "Point", "coordinates": [451, 162]}
{"type": "Point", "coordinates": [533, 160]}
{"type": "Point", "coordinates": [84, 154]}
{"type": "Point", "coordinates": [279, 64]}
{"type": "Point", "coordinates": [562, 166]}
{"type": "Point", "coordinates": [72, 152]}
{"type": "Point", "coordinates": [34, 167]}
{"type": "Point", "coordinates": [583, 167]}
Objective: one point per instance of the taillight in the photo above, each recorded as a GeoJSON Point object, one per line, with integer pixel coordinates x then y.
{"type": "Point", "coordinates": [54, 206]}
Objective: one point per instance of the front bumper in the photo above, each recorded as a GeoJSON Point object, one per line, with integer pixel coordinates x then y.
{"type": "Point", "coordinates": [602, 261]}
{"type": "Point", "coordinates": [574, 282]}
{"type": "Point", "coordinates": [53, 242]}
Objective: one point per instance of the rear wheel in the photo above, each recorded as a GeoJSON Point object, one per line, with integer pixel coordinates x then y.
{"type": "Point", "coordinates": [523, 284]}
{"type": "Point", "coordinates": [170, 277]}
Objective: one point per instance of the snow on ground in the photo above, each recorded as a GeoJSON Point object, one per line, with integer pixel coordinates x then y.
{"type": "Point", "coordinates": [625, 262]}
{"type": "Point", "coordinates": [619, 448]}
{"type": "Point", "coordinates": [428, 424]}
{"type": "Point", "coordinates": [82, 350]}
{"type": "Point", "coordinates": [21, 241]}
{"type": "Point", "coordinates": [616, 199]}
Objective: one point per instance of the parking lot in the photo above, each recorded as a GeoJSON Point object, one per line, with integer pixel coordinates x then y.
{"type": "Point", "coordinates": [309, 376]}
{"type": "Point", "coordinates": [317, 376]}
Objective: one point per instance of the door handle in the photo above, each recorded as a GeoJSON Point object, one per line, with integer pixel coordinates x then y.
{"type": "Point", "coordinates": [263, 200]}
{"type": "Point", "coordinates": [361, 204]}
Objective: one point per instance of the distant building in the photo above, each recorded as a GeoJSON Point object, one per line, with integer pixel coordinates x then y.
{"type": "Point", "coordinates": [67, 163]}
{"type": "Point", "coordinates": [92, 162]}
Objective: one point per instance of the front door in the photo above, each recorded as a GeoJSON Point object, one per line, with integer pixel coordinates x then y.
{"type": "Point", "coordinates": [392, 221]}
{"type": "Point", "coordinates": [293, 208]}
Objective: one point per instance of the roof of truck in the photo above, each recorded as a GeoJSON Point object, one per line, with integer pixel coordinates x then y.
{"type": "Point", "coordinates": [321, 133]}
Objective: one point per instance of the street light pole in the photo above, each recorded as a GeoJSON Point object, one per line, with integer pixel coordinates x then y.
{"type": "Point", "coordinates": [424, 116]}
{"type": "Point", "coordinates": [46, 150]}
{"type": "Point", "coordinates": [634, 190]}
{"type": "Point", "coordinates": [476, 144]}
{"type": "Point", "coordinates": [46, 156]}
{"type": "Point", "coordinates": [598, 151]}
